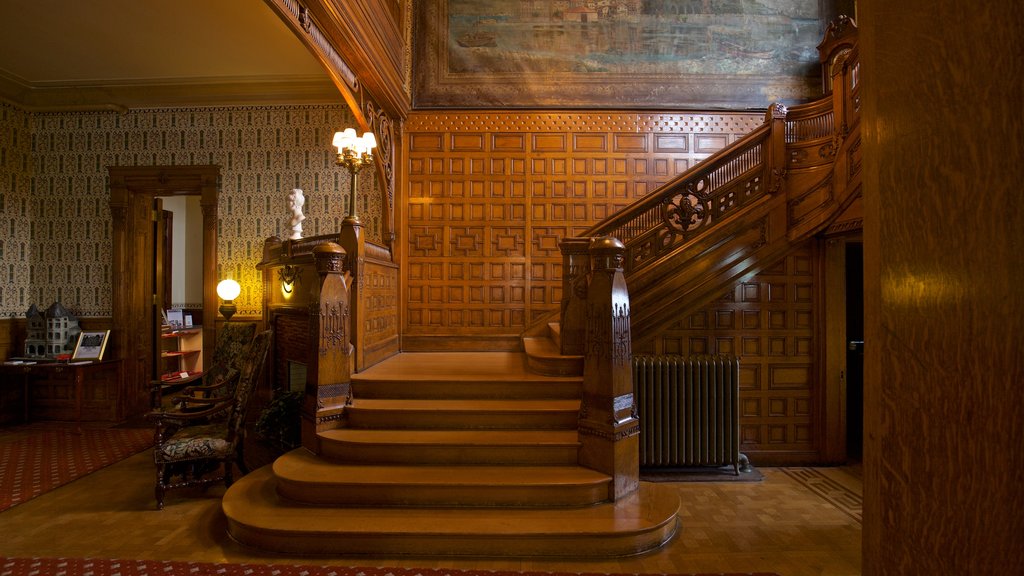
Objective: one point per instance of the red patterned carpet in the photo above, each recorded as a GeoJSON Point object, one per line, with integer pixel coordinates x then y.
{"type": "Point", "coordinates": [37, 458]}
{"type": "Point", "coordinates": [96, 567]}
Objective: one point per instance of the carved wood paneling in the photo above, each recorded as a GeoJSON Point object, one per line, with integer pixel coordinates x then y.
{"type": "Point", "coordinates": [53, 395]}
{"type": "Point", "coordinates": [291, 343]}
{"type": "Point", "coordinates": [770, 321]}
{"type": "Point", "coordinates": [490, 194]}
{"type": "Point", "coordinates": [380, 324]}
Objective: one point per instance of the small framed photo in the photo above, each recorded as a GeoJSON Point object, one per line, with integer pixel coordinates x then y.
{"type": "Point", "coordinates": [175, 319]}
{"type": "Point", "coordinates": [91, 345]}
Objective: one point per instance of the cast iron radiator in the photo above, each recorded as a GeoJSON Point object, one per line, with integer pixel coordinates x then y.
{"type": "Point", "coordinates": [689, 411]}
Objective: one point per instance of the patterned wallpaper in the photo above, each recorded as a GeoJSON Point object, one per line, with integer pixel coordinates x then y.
{"type": "Point", "coordinates": [54, 198]}
{"type": "Point", "coordinates": [16, 164]}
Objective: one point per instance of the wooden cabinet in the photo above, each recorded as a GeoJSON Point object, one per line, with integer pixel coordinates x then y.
{"type": "Point", "coordinates": [79, 391]}
{"type": "Point", "coordinates": [181, 356]}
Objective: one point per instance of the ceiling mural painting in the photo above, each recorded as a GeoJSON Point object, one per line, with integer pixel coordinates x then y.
{"type": "Point", "coordinates": [617, 53]}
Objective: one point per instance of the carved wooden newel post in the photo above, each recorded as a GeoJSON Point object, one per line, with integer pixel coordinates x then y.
{"type": "Point", "coordinates": [575, 272]}
{"type": "Point", "coordinates": [329, 383]}
{"type": "Point", "coordinates": [354, 244]}
{"type": "Point", "coordinates": [776, 154]}
{"type": "Point", "coordinates": [608, 425]}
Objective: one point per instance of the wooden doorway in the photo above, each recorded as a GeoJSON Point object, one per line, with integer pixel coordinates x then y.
{"type": "Point", "coordinates": [844, 347]}
{"type": "Point", "coordinates": [132, 193]}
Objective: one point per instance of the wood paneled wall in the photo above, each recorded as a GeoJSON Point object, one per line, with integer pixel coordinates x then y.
{"type": "Point", "coordinates": [490, 194]}
{"type": "Point", "coordinates": [771, 322]}
{"type": "Point", "coordinates": [943, 136]}
{"type": "Point", "coordinates": [380, 292]}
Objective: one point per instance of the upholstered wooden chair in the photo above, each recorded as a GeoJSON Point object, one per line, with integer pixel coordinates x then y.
{"type": "Point", "coordinates": [220, 378]}
{"type": "Point", "coordinates": [190, 446]}
{"type": "Point", "coordinates": [221, 372]}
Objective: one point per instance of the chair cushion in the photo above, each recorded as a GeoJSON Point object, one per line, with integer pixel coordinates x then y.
{"type": "Point", "coordinates": [193, 442]}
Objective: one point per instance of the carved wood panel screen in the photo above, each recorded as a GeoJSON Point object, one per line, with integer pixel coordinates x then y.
{"type": "Point", "coordinates": [490, 194]}
{"type": "Point", "coordinates": [772, 322]}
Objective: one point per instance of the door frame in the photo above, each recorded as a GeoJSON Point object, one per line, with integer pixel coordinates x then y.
{"type": "Point", "coordinates": [834, 441]}
{"type": "Point", "coordinates": [132, 190]}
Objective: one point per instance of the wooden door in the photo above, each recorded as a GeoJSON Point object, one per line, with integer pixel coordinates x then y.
{"type": "Point", "coordinates": [132, 191]}
{"type": "Point", "coordinates": [162, 246]}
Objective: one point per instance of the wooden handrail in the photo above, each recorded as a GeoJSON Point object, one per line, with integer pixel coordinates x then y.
{"type": "Point", "coordinates": [782, 182]}
{"type": "Point", "coordinates": [731, 215]}
{"type": "Point", "coordinates": [660, 220]}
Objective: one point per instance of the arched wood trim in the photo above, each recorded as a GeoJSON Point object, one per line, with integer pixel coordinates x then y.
{"type": "Point", "coordinates": [132, 189]}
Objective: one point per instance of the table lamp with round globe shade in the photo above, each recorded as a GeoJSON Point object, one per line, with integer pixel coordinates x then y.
{"type": "Point", "coordinates": [228, 290]}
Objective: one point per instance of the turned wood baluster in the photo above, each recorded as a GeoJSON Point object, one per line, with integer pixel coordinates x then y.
{"type": "Point", "coordinates": [575, 275]}
{"type": "Point", "coordinates": [608, 425]}
{"type": "Point", "coordinates": [329, 382]}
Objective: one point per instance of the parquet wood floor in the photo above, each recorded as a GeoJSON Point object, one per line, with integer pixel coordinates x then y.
{"type": "Point", "coordinates": [796, 522]}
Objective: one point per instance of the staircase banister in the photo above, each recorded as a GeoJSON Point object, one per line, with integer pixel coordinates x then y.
{"type": "Point", "coordinates": [609, 226]}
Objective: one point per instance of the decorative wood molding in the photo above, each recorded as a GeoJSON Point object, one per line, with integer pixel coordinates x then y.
{"type": "Point", "coordinates": [361, 45]}
{"type": "Point", "coordinates": [384, 128]}
{"type": "Point", "coordinates": [179, 92]}
{"type": "Point", "coordinates": [132, 189]}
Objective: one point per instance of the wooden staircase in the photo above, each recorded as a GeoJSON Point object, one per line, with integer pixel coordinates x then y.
{"type": "Point", "coordinates": [449, 454]}
{"type": "Point", "coordinates": [479, 453]}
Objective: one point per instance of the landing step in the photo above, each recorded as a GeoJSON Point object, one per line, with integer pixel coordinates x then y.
{"type": "Point", "coordinates": [456, 375]}
{"type": "Point", "coordinates": [544, 357]}
{"type": "Point", "coordinates": [303, 477]}
{"type": "Point", "coordinates": [466, 413]}
{"type": "Point", "coordinates": [525, 447]}
{"type": "Point", "coordinates": [258, 517]}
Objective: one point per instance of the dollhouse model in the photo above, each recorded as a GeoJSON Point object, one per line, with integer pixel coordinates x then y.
{"type": "Point", "coordinates": [50, 333]}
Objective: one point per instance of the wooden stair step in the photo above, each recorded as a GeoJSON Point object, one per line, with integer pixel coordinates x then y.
{"type": "Point", "coordinates": [303, 477]}
{"type": "Point", "coordinates": [540, 447]}
{"type": "Point", "coordinates": [259, 517]}
{"type": "Point", "coordinates": [544, 356]}
{"type": "Point", "coordinates": [455, 375]}
{"type": "Point", "coordinates": [463, 413]}
{"type": "Point", "coordinates": [566, 389]}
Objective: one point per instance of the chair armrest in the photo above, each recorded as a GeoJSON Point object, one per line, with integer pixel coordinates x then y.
{"type": "Point", "coordinates": [191, 404]}
{"type": "Point", "coordinates": [216, 378]}
{"type": "Point", "coordinates": [185, 418]}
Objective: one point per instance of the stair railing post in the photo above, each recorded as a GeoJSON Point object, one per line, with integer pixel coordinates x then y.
{"type": "Point", "coordinates": [775, 156]}
{"type": "Point", "coordinates": [353, 241]}
{"type": "Point", "coordinates": [575, 275]}
{"type": "Point", "coordinates": [608, 425]}
{"type": "Point", "coordinates": [329, 381]}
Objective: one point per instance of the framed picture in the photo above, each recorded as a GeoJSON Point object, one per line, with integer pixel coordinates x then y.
{"type": "Point", "coordinates": [175, 318]}
{"type": "Point", "coordinates": [628, 53]}
{"type": "Point", "coordinates": [91, 345]}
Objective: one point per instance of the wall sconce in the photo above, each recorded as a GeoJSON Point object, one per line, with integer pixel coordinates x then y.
{"type": "Point", "coordinates": [288, 275]}
{"type": "Point", "coordinates": [354, 152]}
{"type": "Point", "coordinates": [228, 290]}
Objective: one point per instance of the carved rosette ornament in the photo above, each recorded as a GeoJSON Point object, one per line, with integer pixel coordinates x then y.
{"type": "Point", "coordinates": [687, 211]}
